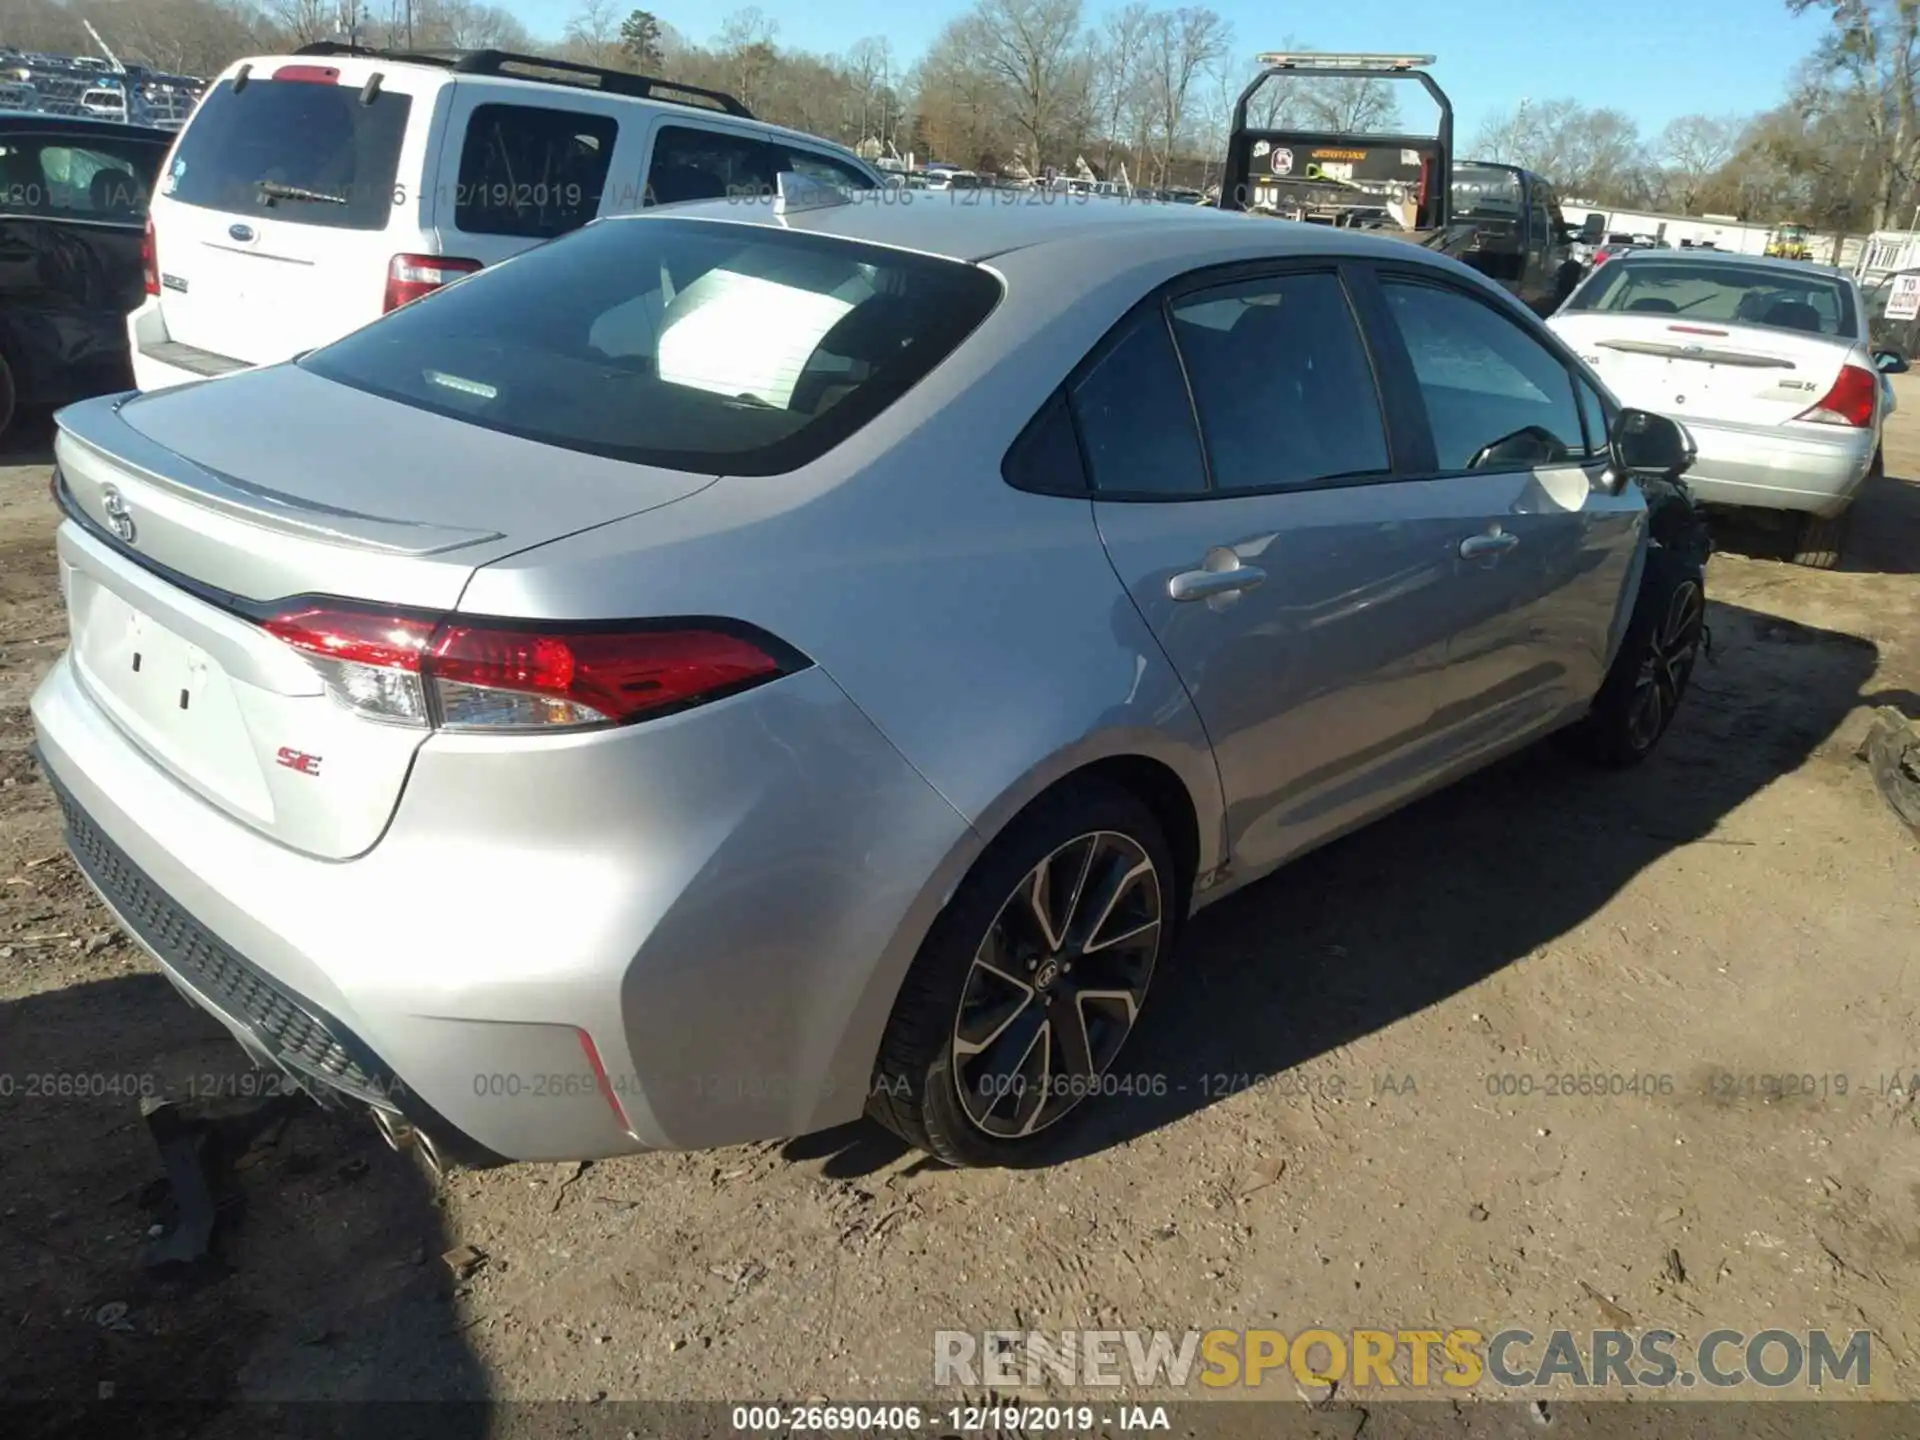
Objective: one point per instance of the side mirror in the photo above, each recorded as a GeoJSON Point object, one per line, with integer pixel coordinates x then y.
{"type": "Point", "coordinates": [1646, 446]}
{"type": "Point", "coordinates": [1890, 362]}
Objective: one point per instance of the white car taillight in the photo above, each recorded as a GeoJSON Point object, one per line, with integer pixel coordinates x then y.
{"type": "Point", "coordinates": [494, 675]}
{"type": "Point", "coordinates": [1851, 401]}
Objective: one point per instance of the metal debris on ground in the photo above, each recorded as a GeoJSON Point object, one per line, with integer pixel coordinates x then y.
{"type": "Point", "coordinates": [464, 1261]}
{"type": "Point", "coordinates": [200, 1155]}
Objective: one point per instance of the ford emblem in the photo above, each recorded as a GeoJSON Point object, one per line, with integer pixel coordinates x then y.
{"type": "Point", "coordinates": [242, 233]}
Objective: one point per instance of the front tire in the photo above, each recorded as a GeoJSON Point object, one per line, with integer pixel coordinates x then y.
{"type": "Point", "coordinates": [1650, 675]}
{"type": "Point", "coordinates": [1030, 981]}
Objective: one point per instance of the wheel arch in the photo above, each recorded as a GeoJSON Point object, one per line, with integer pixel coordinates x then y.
{"type": "Point", "coordinates": [1193, 828]}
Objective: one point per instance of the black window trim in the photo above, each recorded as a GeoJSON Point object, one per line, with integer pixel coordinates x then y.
{"type": "Point", "coordinates": [1346, 270]}
{"type": "Point", "coordinates": [1500, 304]}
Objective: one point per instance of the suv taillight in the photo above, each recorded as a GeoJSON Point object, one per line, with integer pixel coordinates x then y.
{"type": "Point", "coordinates": [1851, 401]}
{"type": "Point", "coordinates": [490, 675]}
{"type": "Point", "coordinates": [149, 260]}
{"type": "Point", "coordinates": [411, 276]}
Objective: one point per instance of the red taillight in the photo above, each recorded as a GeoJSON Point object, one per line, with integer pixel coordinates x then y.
{"type": "Point", "coordinates": [1600, 256]}
{"type": "Point", "coordinates": [492, 676]}
{"type": "Point", "coordinates": [411, 276]}
{"type": "Point", "coordinates": [313, 74]}
{"type": "Point", "coordinates": [363, 637]}
{"type": "Point", "coordinates": [1852, 400]}
{"type": "Point", "coordinates": [150, 260]}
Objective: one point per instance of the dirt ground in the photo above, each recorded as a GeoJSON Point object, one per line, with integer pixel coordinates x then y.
{"type": "Point", "coordinates": [1743, 906]}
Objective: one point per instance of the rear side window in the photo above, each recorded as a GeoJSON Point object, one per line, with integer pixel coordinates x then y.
{"type": "Point", "coordinates": [1283, 385]}
{"type": "Point", "coordinates": [530, 171]}
{"type": "Point", "coordinates": [690, 344]}
{"type": "Point", "coordinates": [294, 150]}
{"type": "Point", "coordinates": [1135, 420]}
{"type": "Point", "coordinates": [693, 164]}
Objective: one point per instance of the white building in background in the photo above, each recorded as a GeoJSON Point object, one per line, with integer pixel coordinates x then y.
{"type": "Point", "coordinates": [1723, 232]}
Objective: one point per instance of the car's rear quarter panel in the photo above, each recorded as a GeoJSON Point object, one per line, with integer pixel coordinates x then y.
{"type": "Point", "coordinates": [981, 628]}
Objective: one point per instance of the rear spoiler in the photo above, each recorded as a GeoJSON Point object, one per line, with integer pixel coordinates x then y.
{"type": "Point", "coordinates": [1420, 164]}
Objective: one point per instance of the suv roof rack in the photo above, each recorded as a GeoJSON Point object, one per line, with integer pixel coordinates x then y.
{"type": "Point", "coordinates": [591, 77]}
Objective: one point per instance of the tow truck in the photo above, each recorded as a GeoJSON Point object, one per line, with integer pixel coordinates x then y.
{"type": "Point", "coordinates": [1503, 220]}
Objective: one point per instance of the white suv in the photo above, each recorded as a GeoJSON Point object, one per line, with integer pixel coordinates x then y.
{"type": "Point", "coordinates": [311, 193]}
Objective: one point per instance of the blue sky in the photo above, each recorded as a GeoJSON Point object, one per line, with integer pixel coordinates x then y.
{"type": "Point", "coordinates": [1653, 59]}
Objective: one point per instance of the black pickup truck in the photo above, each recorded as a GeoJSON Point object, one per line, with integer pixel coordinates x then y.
{"type": "Point", "coordinates": [1501, 219]}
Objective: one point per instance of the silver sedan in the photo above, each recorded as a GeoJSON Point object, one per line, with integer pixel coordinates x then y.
{"type": "Point", "coordinates": [751, 664]}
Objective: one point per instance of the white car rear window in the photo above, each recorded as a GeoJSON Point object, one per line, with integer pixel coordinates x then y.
{"type": "Point", "coordinates": [295, 150]}
{"type": "Point", "coordinates": [1772, 297]}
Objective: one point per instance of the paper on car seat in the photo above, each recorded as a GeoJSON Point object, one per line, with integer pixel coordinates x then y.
{"type": "Point", "coordinates": [735, 334]}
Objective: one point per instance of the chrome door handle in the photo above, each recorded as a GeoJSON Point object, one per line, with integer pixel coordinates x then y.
{"type": "Point", "coordinates": [1202, 584]}
{"type": "Point", "coordinates": [1475, 546]}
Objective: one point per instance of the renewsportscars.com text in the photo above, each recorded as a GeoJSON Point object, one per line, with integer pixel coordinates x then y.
{"type": "Point", "coordinates": [1453, 1359]}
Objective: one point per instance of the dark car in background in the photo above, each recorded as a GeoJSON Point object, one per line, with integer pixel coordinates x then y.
{"type": "Point", "coordinates": [73, 212]}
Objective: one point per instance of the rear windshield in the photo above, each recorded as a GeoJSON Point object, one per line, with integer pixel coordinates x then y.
{"type": "Point", "coordinates": [295, 150]}
{"type": "Point", "coordinates": [700, 345]}
{"type": "Point", "coordinates": [1485, 192]}
{"type": "Point", "coordinates": [1777, 299]}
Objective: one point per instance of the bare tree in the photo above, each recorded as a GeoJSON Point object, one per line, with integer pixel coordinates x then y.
{"type": "Point", "coordinates": [1028, 46]}
{"type": "Point", "coordinates": [1118, 57]}
{"type": "Point", "coordinates": [1694, 147]}
{"type": "Point", "coordinates": [1873, 52]}
{"type": "Point", "coordinates": [1185, 44]}
{"type": "Point", "coordinates": [747, 50]}
{"type": "Point", "coordinates": [870, 67]}
{"type": "Point", "coordinates": [304, 21]}
{"type": "Point", "coordinates": [1353, 105]}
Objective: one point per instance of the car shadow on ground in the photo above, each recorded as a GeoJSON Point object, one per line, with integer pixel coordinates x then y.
{"type": "Point", "coordinates": [1883, 535]}
{"type": "Point", "coordinates": [1411, 910]}
{"type": "Point", "coordinates": [319, 1208]}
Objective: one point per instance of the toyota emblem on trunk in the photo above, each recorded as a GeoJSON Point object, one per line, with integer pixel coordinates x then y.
{"type": "Point", "coordinates": [119, 518]}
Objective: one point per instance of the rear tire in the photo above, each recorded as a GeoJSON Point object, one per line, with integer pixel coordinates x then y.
{"type": "Point", "coordinates": [977, 1066]}
{"type": "Point", "coordinates": [1818, 540]}
{"type": "Point", "coordinates": [1650, 675]}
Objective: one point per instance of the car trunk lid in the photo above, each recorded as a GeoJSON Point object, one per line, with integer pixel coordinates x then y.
{"type": "Point", "coordinates": [196, 521]}
{"type": "Point", "coordinates": [1745, 374]}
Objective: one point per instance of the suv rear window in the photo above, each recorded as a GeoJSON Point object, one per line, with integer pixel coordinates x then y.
{"type": "Point", "coordinates": [527, 170]}
{"type": "Point", "coordinates": [293, 149]}
{"type": "Point", "coordinates": [701, 345]}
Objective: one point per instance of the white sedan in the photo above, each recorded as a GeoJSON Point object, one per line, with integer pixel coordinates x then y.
{"type": "Point", "coordinates": [1767, 362]}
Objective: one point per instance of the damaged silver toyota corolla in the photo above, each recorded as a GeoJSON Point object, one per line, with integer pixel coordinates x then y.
{"type": "Point", "coordinates": [739, 666]}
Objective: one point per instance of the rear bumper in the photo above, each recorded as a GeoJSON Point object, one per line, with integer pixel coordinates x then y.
{"type": "Point", "coordinates": [1808, 468]}
{"type": "Point", "coordinates": [722, 902]}
{"type": "Point", "coordinates": [160, 361]}
{"type": "Point", "coordinates": [278, 1029]}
